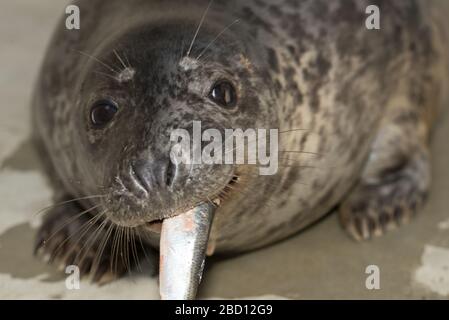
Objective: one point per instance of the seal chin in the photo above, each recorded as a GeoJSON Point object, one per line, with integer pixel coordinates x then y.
{"type": "Point", "coordinates": [155, 226]}
{"type": "Point", "coordinates": [127, 209]}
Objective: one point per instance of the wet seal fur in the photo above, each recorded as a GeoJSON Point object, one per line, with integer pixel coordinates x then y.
{"type": "Point", "coordinates": [354, 107]}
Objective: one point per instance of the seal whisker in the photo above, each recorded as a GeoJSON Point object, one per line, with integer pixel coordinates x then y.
{"type": "Point", "coordinates": [256, 175]}
{"type": "Point", "coordinates": [125, 249]}
{"type": "Point", "coordinates": [99, 61]}
{"type": "Point", "coordinates": [80, 232]}
{"type": "Point", "coordinates": [282, 165]}
{"type": "Point", "coordinates": [237, 146]}
{"type": "Point", "coordinates": [122, 248]}
{"type": "Point", "coordinates": [66, 202]}
{"type": "Point", "coordinates": [120, 59]}
{"type": "Point", "coordinates": [126, 244]}
{"type": "Point", "coordinates": [103, 244]}
{"type": "Point", "coordinates": [258, 138]}
{"type": "Point", "coordinates": [78, 182]}
{"type": "Point", "coordinates": [293, 130]}
{"type": "Point", "coordinates": [106, 75]}
{"type": "Point", "coordinates": [217, 37]}
{"type": "Point", "coordinates": [99, 231]}
{"type": "Point", "coordinates": [69, 221]}
{"type": "Point", "coordinates": [269, 204]}
{"type": "Point", "coordinates": [126, 60]}
{"type": "Point", "coordinates": [114, 248]}
{"type": "Point", "coordinates": [134, 250]}
{"type": "Point", "coordinates": [119, 254]}
{"type": "Point", "coordinates": [142, 246]}
{"type": "Point", "coordinates": [91, 239]}
{"type": "Point", "coordinates": [237, 189]}
{"type": "Point", "coordinates": [301, 152]}
{"type": "Point", "coordinates": [203, 17]}
{"type": "Point", "coordinates": [84, 228]}
{"type": "Point", "coordinates": [134, 256]}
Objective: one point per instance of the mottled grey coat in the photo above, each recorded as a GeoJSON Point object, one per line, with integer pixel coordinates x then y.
{"type": "Point", "coordinates": [354, 108]}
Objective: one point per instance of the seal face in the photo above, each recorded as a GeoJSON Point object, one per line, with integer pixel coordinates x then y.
{"type": "Point", "coordinates": [350, 117]}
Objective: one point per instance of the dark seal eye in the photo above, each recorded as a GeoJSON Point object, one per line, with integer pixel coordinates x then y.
{"type": "Point", "coordinates": [102, 113]}
{"type": "Point", "coordinates": [224, 94]}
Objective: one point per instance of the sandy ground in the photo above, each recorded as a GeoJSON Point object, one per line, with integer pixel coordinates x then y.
{"type": "Point", "coordinates": [321, 262]}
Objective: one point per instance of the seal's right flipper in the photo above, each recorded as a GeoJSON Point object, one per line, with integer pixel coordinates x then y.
{"type": "Point", "coordinates": [375, 207]}
{"type": "Point", "coordinates": [69, 235]}
{"type": "Point", "coordinates": [396, 177]}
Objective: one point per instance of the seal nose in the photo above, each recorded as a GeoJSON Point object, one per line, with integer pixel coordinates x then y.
{"type": "Point", "coordinates": [152, 175]}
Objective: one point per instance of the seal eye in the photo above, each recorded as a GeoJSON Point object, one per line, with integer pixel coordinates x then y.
{"type": "Point", "coordinates": [224, 94]}
{"type": "Point", "coordinates": [102, 113]}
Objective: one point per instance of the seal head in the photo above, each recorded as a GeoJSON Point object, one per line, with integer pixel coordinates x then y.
{"type": "Point", "coordinates": [133, 97]}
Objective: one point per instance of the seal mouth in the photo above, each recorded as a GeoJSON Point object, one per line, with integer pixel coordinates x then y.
{"type": "Point", "coordinates": [155, 226]}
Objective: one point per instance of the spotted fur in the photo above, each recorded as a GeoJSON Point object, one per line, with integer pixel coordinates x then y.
{"type": "Point", "coordinates": [354, 108]}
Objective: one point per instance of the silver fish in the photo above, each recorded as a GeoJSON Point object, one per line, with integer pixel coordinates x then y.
{"type": "Point", "coordinates": [183, 245]}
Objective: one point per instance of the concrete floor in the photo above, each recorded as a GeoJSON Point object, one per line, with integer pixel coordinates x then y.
{"type": "Point", "coordinates": [321, 262]}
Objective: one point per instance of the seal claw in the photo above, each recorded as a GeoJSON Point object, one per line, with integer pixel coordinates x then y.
{"type": "Point", "coordinates": [376, 208]}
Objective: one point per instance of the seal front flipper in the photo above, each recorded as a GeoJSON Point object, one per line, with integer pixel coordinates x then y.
{"type": "Point", "coordinates": [395, 180]}
{"type": "Point", "coordinates": [69, 235]}
{"type": "Point", "coordinates": [377, 206]}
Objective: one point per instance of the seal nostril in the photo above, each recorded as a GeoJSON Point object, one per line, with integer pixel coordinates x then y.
{"type": "Point", "coordinates": [170, 174]}
{"type": "Point", "coordinates": [142, 176]}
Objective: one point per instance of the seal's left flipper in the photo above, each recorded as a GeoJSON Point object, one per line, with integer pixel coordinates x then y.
{"type": "Point", "coordinates": [388, 198]}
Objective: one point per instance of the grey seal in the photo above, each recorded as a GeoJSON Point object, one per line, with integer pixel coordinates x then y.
{"type": "Point", "coordinates": [354, 108]}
